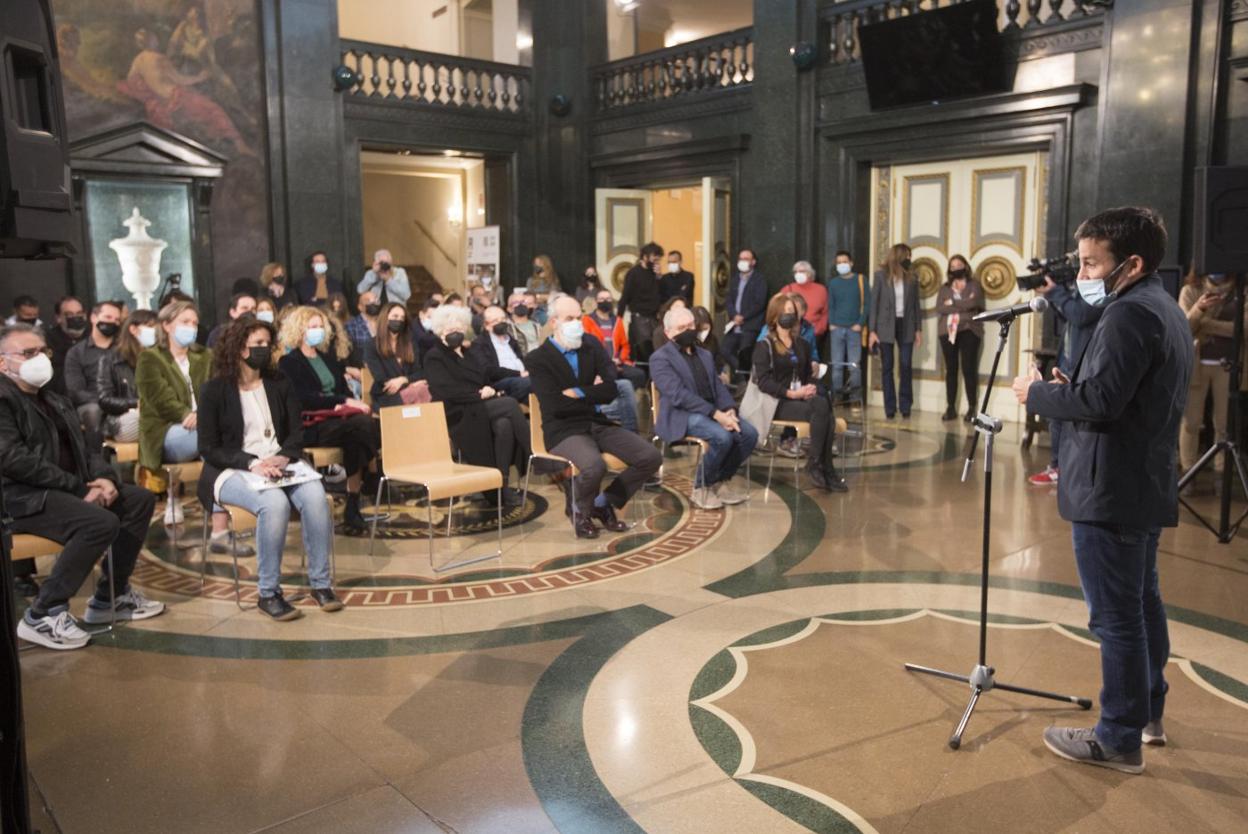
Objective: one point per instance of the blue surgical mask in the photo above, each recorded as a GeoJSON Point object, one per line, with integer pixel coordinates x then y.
{"type": "Point", "coordinates": [265, 315]}
{"type": "Point", "coordinates": [1217, 277]}
{"type": "Point", "coordinates": [315, 336]}
{"type": "Point", "coordinates": [843, 269]}
{"type": "Point", "coordinates": [571, 333]}
{"type": "Point", "coordinates": [185, 335]}
{"type": "Point", "coordinates": [320, 268]}
{"type": "Point", "coordinates": [1093, 291]}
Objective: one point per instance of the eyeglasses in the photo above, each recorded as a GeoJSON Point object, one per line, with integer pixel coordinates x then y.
{"type": "Point", "coordinates": [31, 353]}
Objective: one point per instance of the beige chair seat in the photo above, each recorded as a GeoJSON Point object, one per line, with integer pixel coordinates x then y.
{"type": "Point", "coordinates": [124, 452]}
{"type": "Point", "coordinates": [447, 480]}
{"type": "Point", "coordinates": [322, 456]}
{"type": "Point", "coordinates": [27, 546]}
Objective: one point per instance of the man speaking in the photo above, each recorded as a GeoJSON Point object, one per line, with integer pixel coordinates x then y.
{"type": "Point", "coordinates": [1123, 403]}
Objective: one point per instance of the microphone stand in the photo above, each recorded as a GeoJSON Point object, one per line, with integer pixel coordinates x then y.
{"type": "Point", "coordinates": [982, 677]}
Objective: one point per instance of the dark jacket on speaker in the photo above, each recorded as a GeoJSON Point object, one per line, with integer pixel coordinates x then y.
{"type": "Point", "coordinates": [1124, 403]}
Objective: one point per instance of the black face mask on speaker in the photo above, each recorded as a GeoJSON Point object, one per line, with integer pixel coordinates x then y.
{"type": "Point", "coordinates": [454, 340]}
{"type": "Point", "coordinates": [259, 357]}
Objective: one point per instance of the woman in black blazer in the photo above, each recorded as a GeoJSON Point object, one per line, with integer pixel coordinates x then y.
{"type": "Point", "coordinates": [250, 430]}
{"type": "Point", "coordinates": [784, 369]}
{"type": "Point", "coordinates": [317, 286]}
{"type": "Point", "coordinates": [896, 319]}
{"type": "Point", "coordinates": [489, 429]}
{"type": "Point", "coordinates": [393, 361]}
{"type": "Point", "coordinates": [321, 385]}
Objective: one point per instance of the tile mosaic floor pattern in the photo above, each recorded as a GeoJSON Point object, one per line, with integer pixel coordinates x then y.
{"type": "Point", "coordinates": [740, 672]}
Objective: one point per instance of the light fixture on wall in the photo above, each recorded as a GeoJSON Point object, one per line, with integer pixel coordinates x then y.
{"type": "Point", "coordinates": [625, 6]}
{"type": "Point", "coordinates": [455, 215]}
{"type": "Point", "coordinates": [524, 41]}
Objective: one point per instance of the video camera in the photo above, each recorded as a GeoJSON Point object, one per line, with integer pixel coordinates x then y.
{"type": "Point", "coordinates": [1061, 270]}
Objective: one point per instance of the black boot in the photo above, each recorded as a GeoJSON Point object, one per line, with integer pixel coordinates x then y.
{"type": "Point", "coordinates": [351, 515]}
{"type": "Point", "coordinates": [834, 480]}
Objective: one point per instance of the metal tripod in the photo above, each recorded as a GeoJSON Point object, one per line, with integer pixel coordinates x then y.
{"type": "Point", "coordinates": [982, 677]}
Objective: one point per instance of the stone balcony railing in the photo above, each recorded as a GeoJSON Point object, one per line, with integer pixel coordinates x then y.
{"type": "Point", "coordinates": [697, 68]}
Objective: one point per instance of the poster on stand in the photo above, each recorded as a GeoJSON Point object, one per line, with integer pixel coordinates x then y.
{"type": "Point", "coordinates": [483, 260]}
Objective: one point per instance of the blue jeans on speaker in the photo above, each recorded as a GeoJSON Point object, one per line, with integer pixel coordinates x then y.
{"type": "Point", "coordinates": [1118, 572]}
{"type": "Point", "coordinates": [906, 353]}
{"type": "Point", "coordinates": [726, 451]}
{"type": "Point", "coordinates": [846, 347]}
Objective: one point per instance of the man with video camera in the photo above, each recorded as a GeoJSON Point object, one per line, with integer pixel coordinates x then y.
{"type": "Point", "coordinates": [1123, 402]}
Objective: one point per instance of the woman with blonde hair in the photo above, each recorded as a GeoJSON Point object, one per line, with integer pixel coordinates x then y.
{"type": "Point", "coordinates": [895, 321]}
{"type": "Point", "coordinates": [331, 416]}
{"type": "Point", "coordinates": [275, 284]}
{"type": "Point", "coordinates": [544, 279]}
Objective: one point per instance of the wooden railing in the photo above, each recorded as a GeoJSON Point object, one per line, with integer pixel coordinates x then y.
{"type": "Point", "coordinates": [407, 75]}
{"type": "Point", "coordinates": [841, 20]}
{"type": "Point", "coordinates": [719, 62]}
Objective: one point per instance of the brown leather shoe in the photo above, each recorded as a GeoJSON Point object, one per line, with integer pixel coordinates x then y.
{"type": "Point", "coordinates": [607, 518]}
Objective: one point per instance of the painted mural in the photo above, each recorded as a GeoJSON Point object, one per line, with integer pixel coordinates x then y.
{"type": "Point", "coordinates": [190, 66]}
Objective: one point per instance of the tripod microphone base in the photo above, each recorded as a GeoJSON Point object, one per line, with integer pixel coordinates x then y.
{"type": "Point", "coordinates": [982, 679]}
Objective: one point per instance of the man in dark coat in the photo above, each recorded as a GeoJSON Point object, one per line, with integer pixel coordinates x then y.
{"type": "Point", "coordinates": [1124, 404]}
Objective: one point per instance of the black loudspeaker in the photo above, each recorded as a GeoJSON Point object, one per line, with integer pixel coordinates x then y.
{"type": "Point", "coordinates": [36, 210]}
{"type": "Point", "coordinates": [1221, 226]}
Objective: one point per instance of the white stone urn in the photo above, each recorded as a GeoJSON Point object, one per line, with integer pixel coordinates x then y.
{"type": "Point", "coordinates": [139, 255]}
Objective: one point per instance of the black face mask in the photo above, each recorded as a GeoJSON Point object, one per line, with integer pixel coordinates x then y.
{"type": "Point", "coordinates": [279, 280]}
{"type": "Point", "coordinates": [258, 358]}
{"type": "Point", "coordinates": [537, 270]}
{"type": "Point", "coordinates": [686, 339]}
{"type": "Point", "coordinates": [454, 340]}
{"type": "Point", "coordinates": [591, 280]}
{"type": "Point", "coordinates": [396, 325]}
{"type": "Point", "coordinates": [31, 322]}
{"type": "Point", "coordinates": [500, 328]}
{"type": "Point", "coordinates": [905, 264]}
{"type": "Point", "coordinates": [957, 274]}
{"type": "Point", "coordinates": [787, 321]}
{"type": "Point", "coordinates": [108, 329]}
{"type": "Point", "coordinates": [76, 323]}
{"type": "Point", "coordinates": [372, 309]}
{"type": "Point", "coordinates": [521, 310]}
{"type": "Point", "coordinates": [605, 306]}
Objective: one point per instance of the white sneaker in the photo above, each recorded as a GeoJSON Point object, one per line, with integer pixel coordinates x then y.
{"type": "Point", "coordinates": [1154, 734]}
{"type": "Point", "coordinates": [335, 473]}
{"type": "Point", "coordinates": [728, 494]}
{"type": "Point", "coordinates": [704, 498]}
{"type": "Point", "coordinates": [131, 605]}
{"type": "Point", "coordinates": [220, 543]}
{"type": "Point", "coordinates": [58, 631]}
{"type": "Point", "coordinates": [173, 513]}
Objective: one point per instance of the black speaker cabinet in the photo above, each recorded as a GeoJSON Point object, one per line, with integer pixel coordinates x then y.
{"type": "Point", "coordinates": [1221, 225]}
{"type": "Point", "coordinates": [36, 210]}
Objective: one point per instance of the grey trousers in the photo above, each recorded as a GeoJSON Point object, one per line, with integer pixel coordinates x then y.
{"type": "Point", "coordinates": [585, 450]}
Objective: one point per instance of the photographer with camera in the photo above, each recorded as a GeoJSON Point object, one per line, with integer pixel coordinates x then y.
{"type": "Point", "coordinates": [388, 283]}
{"type": "Point", "coordinates": [1123, 402]}
{"type": "Point", "coordinates": [1078, 320]}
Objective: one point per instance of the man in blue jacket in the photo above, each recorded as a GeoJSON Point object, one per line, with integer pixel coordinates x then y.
{"type": "Point", "coordinates": [1123, 404]}
{"type": "Point", "coordinates": [747, 307]}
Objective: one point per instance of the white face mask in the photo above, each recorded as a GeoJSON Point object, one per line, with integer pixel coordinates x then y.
{"type": "Point", "coordinates": [743, 266]}
{"type": "Point", "coordinates": [147, 336]}
{"type": "Point", "coordinates": [320, 268]}
{"type": "Point", "coordinates": [571, 333]}
{"type": "Point", "coordinates": [37, 371]}
{"type": "Point", "coordinates": [800, 277]}
{"type": "Point", "coordinates": [265, 315]}
{"type": "Point", "coordinates": [844, 269]}
{"type": "Point", "coordinates": [673, 268]}
{"type": "Point", "coordinates": [703, 335]}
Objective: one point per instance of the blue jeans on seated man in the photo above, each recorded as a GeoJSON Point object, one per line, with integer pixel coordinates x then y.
{"type": "Point", "coordinates": [623, 409]}
{"type": "Point", "coordinates": [1118, 572]}
{"type": "Point", "coordinates": [516, 387]}
{"type": "Point", "coordinates": [846, 348]}
{"type": "Point", "coordinates": [726, 451]}
{"type": "Point", "coordinates": [271, 507]}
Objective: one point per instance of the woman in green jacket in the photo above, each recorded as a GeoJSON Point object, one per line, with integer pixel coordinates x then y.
{"type": "Point", "coordinates": [169, 377]}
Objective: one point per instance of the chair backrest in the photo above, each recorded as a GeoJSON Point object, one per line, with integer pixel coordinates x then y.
{"type": "Point", "coordinates": [412, 435]}
{"type": "Point", "coordinates": [366, 385]}
{"type": "Point", "coordinates": [537, 440]}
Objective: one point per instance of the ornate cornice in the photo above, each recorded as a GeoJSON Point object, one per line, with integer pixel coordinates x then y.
{"type": "Point", "coordinates": [1076, 35]}
{"type": "Point", "coordinates": [682, 108]}
{"type": "Point", "coordinates": [357, 107]}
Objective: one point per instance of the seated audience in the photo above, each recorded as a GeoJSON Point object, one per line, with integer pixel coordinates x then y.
{"type": "Point", "coordinates": [394, 362]}
{"type": "Point", "coordinates": [82, 365]}
{"type": "Point", "coordinates": [695, 402]}
{"type": "Point", "coordinates": [574, 380]}
{"type": "Point", "coordinates": [337, 307]}
{"type": "Point", "coordinates": [806, 330]}
{"type": "Point", "coordinates": [603, 324]}
{"type": "Point", "coordinates": [784, 369]}
{"type": "Point", "coordinates": [25, 311]}
{"type": "Point", "coordinates": [331, 416]}
{"type": "Point", "coordinates": [587, 289]}
{"type": "Point", "coordinates": [387, 282]}
{"type": "Point", "coordinates": [528, 330]}
{"type": "Point", "coordinates": [498, 353]}
{"type": "Point", "coordinates": [422, 334]}
{"type": "Point", "coordinates": [55, 488]}
{"type": "Point", "coordinates": [659, 339]}
{"type": "Point", "coordinates": [246, 286]}
{"type": "Point", "coordinates": [317, 284]}
{"type": "Point", "coordinates": [544, 279]}
{"type": "Point", "coordinates": [266, 310]}
{"type": "Point", "coordinates": [241, 304]}
{"type": "Point", "coordinates": [277, 286]}
{"type": "Point", "coordinates": [362, 327]}
{"type": "Point", "coordinates": [119, 394]}
{"type": "Point", "coordinates": [69, 329]}
{"type": "Point", "coordinates": [486, 427]}
{"type": "Point", "coordinates": [168, 377]}
{"type": "Point", "coordinates": [251, 423]}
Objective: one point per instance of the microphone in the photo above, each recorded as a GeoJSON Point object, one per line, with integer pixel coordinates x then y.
{"type": "Point", "coordinates": [1036, 305]}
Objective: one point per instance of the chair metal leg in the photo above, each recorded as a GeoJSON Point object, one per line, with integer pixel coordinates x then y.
{"type": "Point", "coordinates": [333, 568]}
{"type": "Point", "coordinates": [429, 507]}
{"type": "Point", "coordinates": [500, 528]}
{"type": "Point", "coordinates": [771, 463]}
{"type": "Point", "coordinates": [524, 498]}
{"type": "Point", "coordinates": [450, 514]}
{"type": "Point", "coordinates": [203, 559]}
{"type": "Point", "coordinates": [372, 535]}
{"type": "Point", "coordinates": [170, 485]}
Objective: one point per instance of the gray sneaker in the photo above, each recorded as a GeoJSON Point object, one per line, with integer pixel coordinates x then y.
{"type": "Point", "coordinates": [220, 543]}
{"type": "Point", "coordinates": [1080, 744]}
{"type": "Point", "coordinates": [1154, 734]}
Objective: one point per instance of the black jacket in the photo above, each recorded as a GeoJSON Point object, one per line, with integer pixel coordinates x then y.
{"type": "Point", "coordinates": [677, 284]}
{"type": "Point", "coordinates": [305, 290]}
{"type": "Point", "coordinates": [115, 382]}
{"type": "Point", "coordinates": [482, 352]}
{"type": "Point", "coordinates": [640, 293]}
{"type": "Point", "coordinates": [753, 301]}
{"type": "Point", "coordinates": [221, 427]}
{"type": "Point", "coordinates": [1080, 318]}
{"type": "Point", "coordinates": [386, 368]}
{"type": "Point", "coordinates": [60, 342]}
{"type": "Point", "coordinates": [564, 416]}
{"type": "Point", "coordinates": [296, 367]}
{"type": "Point", "coordinates": [456, 381]}
{"type": "Point", "coordinates": [1125, 401]}
{"type": "Point", "coordinates": [30, 451]}
{"type": "Point", "coordinates": [774, 371]}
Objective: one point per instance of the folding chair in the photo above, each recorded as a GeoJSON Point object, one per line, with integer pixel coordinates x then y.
{"type": "Point", "coordinates": [537, 441]}
{"type": "Point", "coordinates": [176, 473]}
{"type": "Point", "coordinates": [28, 546]}
{"type": "Point", "coordinates": [803, 433]}
{"type": "Point", "coordinates": [687, 440]}
{"type": "Point", "coordinates": [416, 449]}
